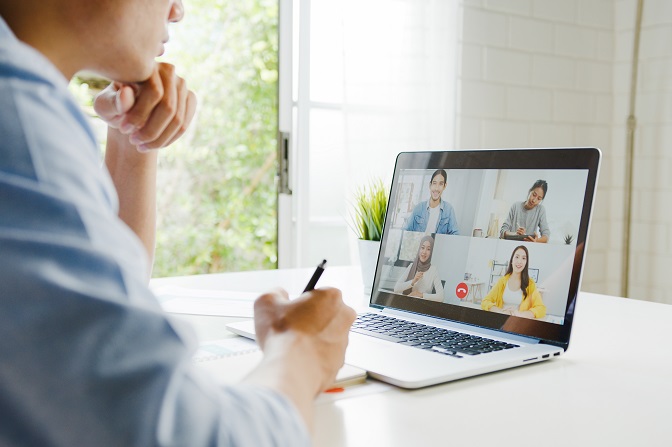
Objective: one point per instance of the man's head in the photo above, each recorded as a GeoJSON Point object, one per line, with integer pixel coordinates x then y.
{"type": "Point", "coordinates": [118, 39]}
{"type": "Point", "coordinates": [437, 184]}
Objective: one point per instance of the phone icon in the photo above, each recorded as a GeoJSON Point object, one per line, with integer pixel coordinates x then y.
{"type": "Point", "coordinates": [462, 290]}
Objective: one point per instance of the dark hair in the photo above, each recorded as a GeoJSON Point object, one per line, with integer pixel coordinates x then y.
{"type": "Point", "coordinates": [442, 173]}
{"type": "Point", "coordinates": [524, 275]}
{"type": "Point", "coordinates": [540, 184]}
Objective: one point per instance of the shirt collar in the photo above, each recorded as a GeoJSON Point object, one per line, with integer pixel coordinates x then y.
{"type": "Point", "coordinates": [440, 204]}
{"type": "Point", "coordinates": [5, 32]}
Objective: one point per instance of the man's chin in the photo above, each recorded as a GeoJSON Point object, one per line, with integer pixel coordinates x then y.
{"type": "Point", "coordinates": [130, 74]}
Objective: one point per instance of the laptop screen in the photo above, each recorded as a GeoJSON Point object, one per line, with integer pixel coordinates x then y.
{"type": "Point", "coordinates": [490, 238]}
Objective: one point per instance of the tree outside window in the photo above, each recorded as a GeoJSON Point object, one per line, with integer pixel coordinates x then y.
{"type": "Point", "coordinates": [216, 187]}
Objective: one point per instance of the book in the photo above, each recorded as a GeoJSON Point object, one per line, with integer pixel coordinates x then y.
{"type": "Point", "coordinates": [230, 360]}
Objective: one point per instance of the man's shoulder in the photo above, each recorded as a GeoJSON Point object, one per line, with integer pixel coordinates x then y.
{"type": "Point", "coordinates": [420, 206]}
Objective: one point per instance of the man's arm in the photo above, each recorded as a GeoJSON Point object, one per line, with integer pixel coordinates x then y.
{"type": "Point", "coordinates": [134, 176]}
{"type": "Point", "coordinates": [142, 117]}
{"type": "Point", "coordinates": [304, 343]}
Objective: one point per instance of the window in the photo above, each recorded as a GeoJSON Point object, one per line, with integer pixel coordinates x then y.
{"type": "Point", "coordinates": [216, 187]}
{"type": "Point", "coordinates": [372, 78]}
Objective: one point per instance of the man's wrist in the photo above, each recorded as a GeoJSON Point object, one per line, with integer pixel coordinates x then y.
{"type": "Point", "coordinates": [293, 357]}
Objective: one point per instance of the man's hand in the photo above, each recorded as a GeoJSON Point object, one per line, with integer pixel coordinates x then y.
{"type": "Point", "coordinates": [319, 315]}
{"type": "Point", "coordinates": [304, 343]}
{"type": "Point", "coordinates": [153, 113]}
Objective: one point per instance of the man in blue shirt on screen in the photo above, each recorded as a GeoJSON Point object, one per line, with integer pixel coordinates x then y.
{"type": "Point", "coordinates": [434, 215]}
{"type": "Point", "coordinates": [88, 356]}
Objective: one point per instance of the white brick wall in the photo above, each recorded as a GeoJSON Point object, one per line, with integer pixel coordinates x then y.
{"type": "Point", "coordinates": [552, 73]}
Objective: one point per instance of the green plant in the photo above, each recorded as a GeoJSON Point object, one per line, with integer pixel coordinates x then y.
{"type": "Point", "coordinates": [568, 239]}
{"type": "Point", "coordinates": [369, 210]}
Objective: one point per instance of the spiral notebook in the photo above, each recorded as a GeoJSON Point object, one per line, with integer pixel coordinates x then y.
{"type": "Point", "coordinates": [230, 360]}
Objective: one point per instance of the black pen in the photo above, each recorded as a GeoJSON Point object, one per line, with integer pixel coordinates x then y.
{"type": "Point", "coordinates": [313, 281]}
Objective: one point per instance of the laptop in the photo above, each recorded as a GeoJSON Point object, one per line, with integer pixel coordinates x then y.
{"type": "Point", "coordinates": [452, 299]}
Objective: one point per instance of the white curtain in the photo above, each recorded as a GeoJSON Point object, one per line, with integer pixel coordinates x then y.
{"type": "Point", "coordinates": [375, 77]}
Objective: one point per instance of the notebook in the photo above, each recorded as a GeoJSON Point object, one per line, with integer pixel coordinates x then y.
{"type": "Point", "coordinates": [450, 298]}
{"type": "Point", "coordinates": [230, 360]}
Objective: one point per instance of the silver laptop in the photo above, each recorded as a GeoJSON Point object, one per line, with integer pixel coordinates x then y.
{"type": "Point", "coordinates": [480, 264]}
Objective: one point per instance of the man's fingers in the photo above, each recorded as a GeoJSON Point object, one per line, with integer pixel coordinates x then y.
{"type": "Point", "coordinates": [149, 94]}
{"type": "Point", "coordinates": [155, 123]}
{"type": "Point", "coordinates": [113, 102]}
{"type": "Point", "coordinates": [125, 99]}
{"type": "Point", "coordinates": [105, 102]}
{"type": "Point", "coordinates": [167, 118]}
{"type": "Point", "coordinates": [189, 112]}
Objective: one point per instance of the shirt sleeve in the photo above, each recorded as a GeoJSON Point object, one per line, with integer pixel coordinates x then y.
{"type": "Point", "coordinates": [494, 297]}
{"type": "Point", "coordinates": [402, 284]}
{"type": "Point", "coordinates": [508, 223]}
{"type": "Point", "coordinates": [410, 222]}
{"type": "Point", "coordinates": [436, 285]}
{"type": "Point", "coordinates": [89, 358]}
{"type": "Point", "coordinates": [453, 227]}
{"type": "Point", "coordinates": [544, 229]}
{"type": "Point", "coordinates": [242, 415]}
{"type": "Point", "coordinates": [83, 366]}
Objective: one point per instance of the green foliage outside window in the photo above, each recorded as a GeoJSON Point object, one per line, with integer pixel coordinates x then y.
{"type": "Point", "coordinates": [216, 188]}
{"type": "Point", "coordinates": [217, 196]}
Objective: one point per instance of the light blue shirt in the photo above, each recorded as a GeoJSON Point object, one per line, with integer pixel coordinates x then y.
{"type": "Point", "coordinates": [87, 356]}
{"type": "Point", "coordinates": [447, 223]}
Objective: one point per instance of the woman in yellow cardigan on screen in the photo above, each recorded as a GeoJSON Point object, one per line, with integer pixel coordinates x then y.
{"type": "Point", "coordinates": [516, 293]}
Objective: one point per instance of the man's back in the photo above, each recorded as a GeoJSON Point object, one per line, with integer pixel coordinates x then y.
{"type": "Point", "coordinates": [88, 356]}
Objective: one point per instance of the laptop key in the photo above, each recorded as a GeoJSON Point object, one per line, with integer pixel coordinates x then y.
{"type": "Point", "coordinates": [376, 335]}
{"type": "Point", "coordinates": [433, 339]}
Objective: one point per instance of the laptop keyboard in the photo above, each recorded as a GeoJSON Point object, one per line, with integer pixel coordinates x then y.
{"type": "Point", "coordinates": [418, 335]}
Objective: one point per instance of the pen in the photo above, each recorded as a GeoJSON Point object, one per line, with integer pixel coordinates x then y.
{"type": "Point", "coordinates": [316, 276]}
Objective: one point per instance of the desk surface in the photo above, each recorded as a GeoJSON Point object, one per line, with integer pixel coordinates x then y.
{"type": "Point", "coordinates": [613, 387]}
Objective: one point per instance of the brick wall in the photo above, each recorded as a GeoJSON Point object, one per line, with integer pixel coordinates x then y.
{"type": "Point", "coordinates": [556, 73]}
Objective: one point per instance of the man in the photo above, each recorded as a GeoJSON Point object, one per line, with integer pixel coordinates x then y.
{"type": "Point", "coordinates": [88, 357]}
{"type": "Point", "coordinates": [434, 215]}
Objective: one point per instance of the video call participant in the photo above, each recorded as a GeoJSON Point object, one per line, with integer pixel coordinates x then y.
{"type": "Point", "coordinates": [516, 293]}
{"type": "Point", "coordinates": [526, 217]}
{"type": "Point", "coordinates": [421, 278]}
{"type": "Point", "coordinates": [434, 215]}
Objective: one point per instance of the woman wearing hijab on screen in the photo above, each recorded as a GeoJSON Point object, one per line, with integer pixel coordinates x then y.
{"type": "Point", "coordinates": [421, 278]}
{"type": "Point", "coordinates": [516, 293]}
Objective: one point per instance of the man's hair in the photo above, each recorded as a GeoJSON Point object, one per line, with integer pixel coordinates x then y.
{"type": "Point", "coordinates": [442, 173]}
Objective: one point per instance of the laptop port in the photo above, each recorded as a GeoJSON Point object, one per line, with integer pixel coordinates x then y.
{"type": "Point", "coordinates": [545, 356]}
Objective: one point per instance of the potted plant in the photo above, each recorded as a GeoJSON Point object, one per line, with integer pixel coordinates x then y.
{"type": "Point", "coordinates": [368, 218]}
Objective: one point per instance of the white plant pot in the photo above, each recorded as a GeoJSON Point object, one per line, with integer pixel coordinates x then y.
{"type": "Point", "coordinates": [368, 256]}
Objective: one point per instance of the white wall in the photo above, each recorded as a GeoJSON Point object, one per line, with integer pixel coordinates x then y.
{"type": "Point", "coordinates": [556, 73]}
{"type": "Point", "coordinates": [651, 242]}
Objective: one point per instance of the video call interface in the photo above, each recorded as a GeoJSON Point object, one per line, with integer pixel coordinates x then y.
{"type": "Point", "coordinates": [489, 239]}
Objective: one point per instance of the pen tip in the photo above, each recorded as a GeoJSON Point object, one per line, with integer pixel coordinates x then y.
{"type": "Point", "coordinates": [324, 261]}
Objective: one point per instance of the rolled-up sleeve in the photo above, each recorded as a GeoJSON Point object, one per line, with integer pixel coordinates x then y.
{"type": "Point", "coordinates": [193, 413]}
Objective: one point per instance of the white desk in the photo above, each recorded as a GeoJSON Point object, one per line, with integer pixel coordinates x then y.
{"type": "Point", "coordinates": [613, 387]}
